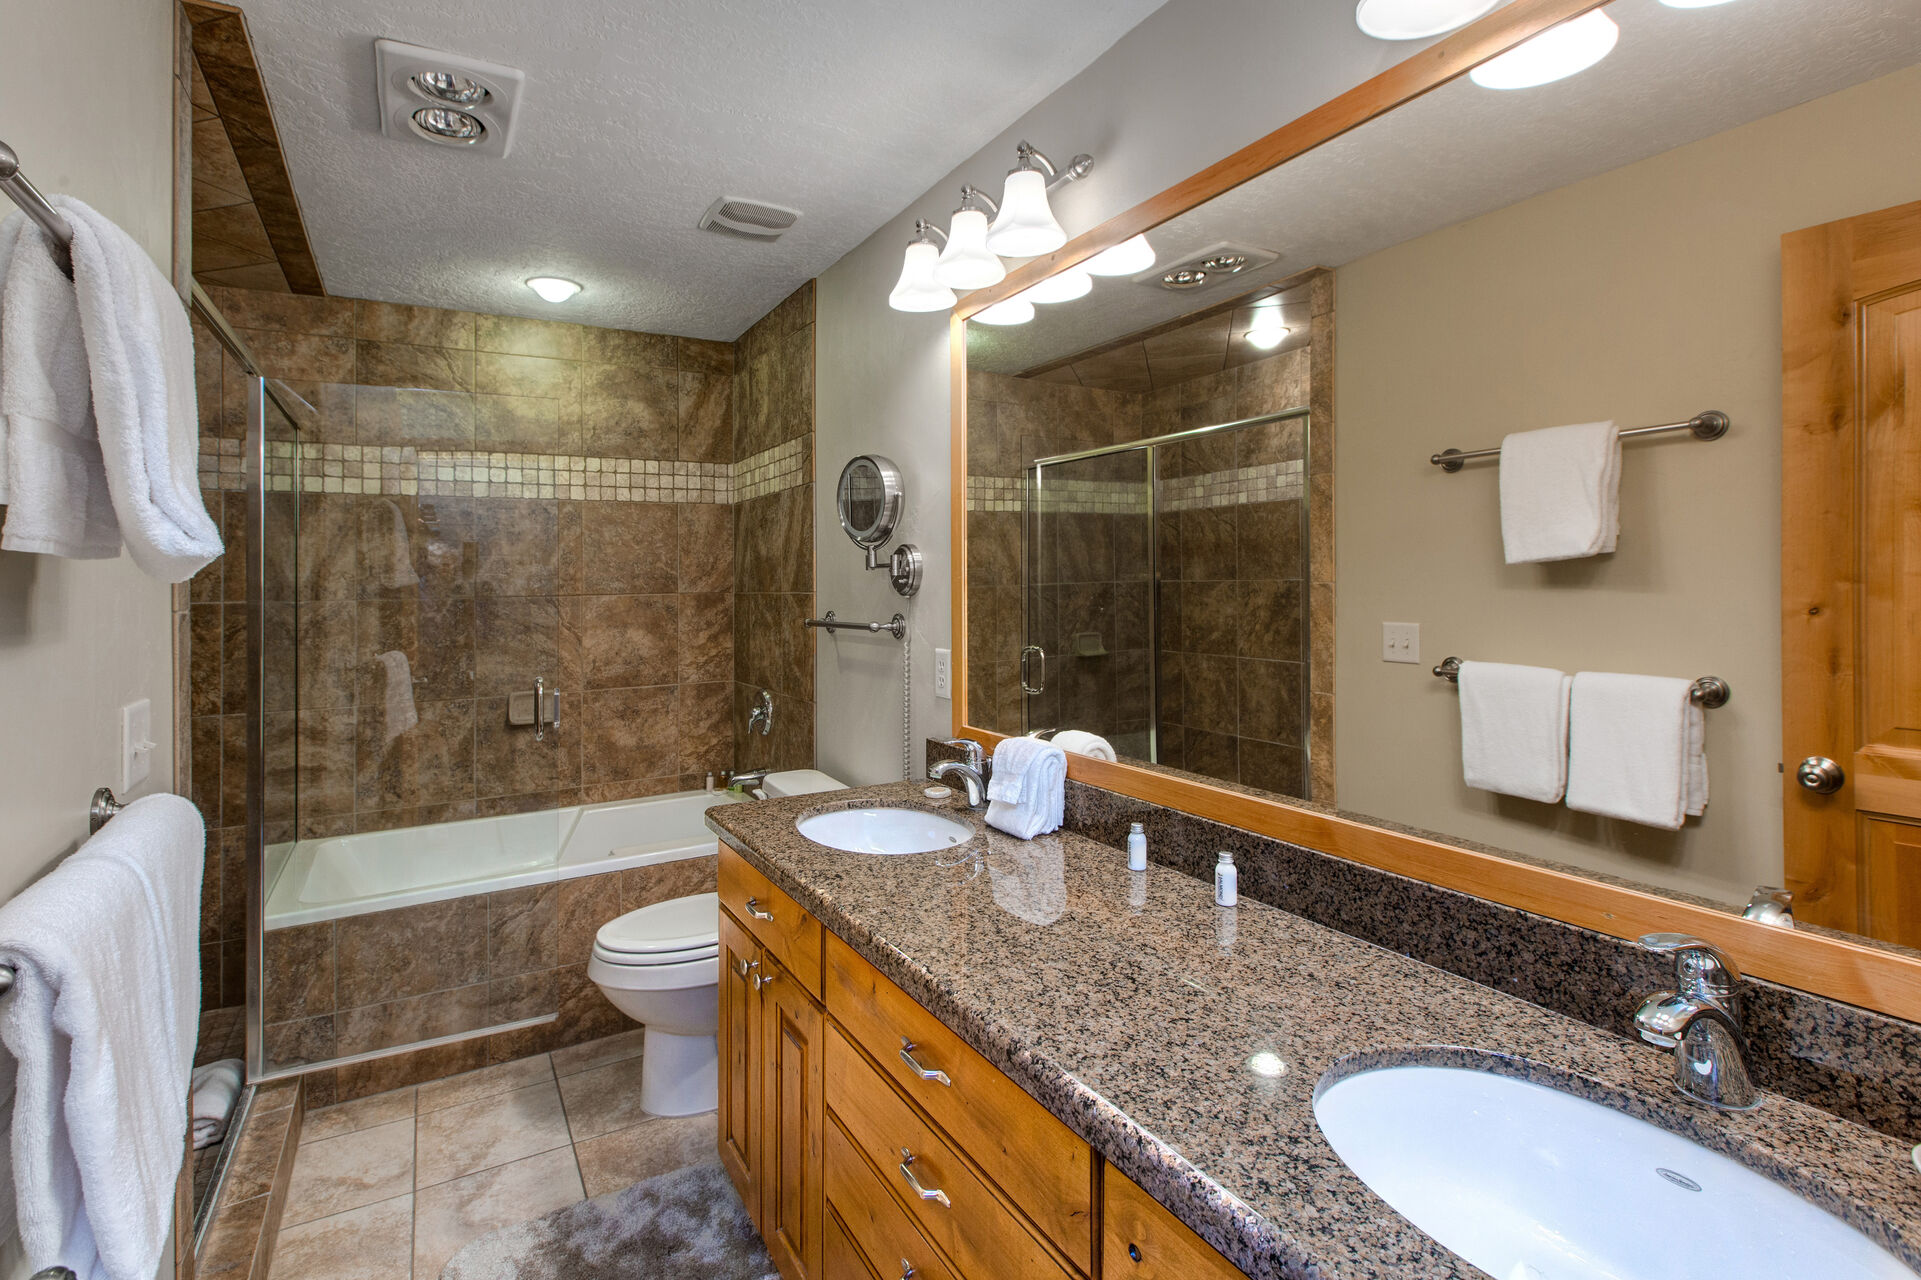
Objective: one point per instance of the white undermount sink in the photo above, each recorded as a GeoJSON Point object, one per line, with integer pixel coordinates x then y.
{"type": "Point", "coordinates": [884, 830]}
{"type": "Point", "coordinates": [1529, 1183]}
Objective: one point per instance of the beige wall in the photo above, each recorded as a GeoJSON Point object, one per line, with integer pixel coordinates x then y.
{"type": "Point", "coordinates": [1644, 295]}
{"type": "Point", "coordinates": [87, 101]}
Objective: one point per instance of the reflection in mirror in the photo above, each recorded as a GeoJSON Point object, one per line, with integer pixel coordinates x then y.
{"type": "Point", "coordinates": [1605, 248]}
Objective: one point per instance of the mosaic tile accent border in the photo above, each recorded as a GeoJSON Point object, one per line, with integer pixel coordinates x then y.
{"type": "Point", "coordinates": [402, 470]}
{"type": "Point", "coordinates": [1270, 482]}
{"type": "Point", "coordinates": [782, 467]}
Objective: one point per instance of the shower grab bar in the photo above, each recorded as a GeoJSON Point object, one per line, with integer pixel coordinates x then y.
{"type": "Point", "coordinates": [895, 626]}
{"type": "Point", "coordinates": [1707, 692]}
{"type": "Point", "coordinates": [1709, 425]}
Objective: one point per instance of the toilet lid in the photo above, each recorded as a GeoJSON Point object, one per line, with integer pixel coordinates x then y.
{"type": "Point", "coordinates": [665, 933]}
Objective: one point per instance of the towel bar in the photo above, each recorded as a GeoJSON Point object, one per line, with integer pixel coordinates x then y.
{"type": "Point", "coordinates": [896, 626]}
{"type": "Point", "coordinates": [99, 813]}
{"type": "Point", "coordinates": [1707, 692]}
{"type": "Point", "coordinates": [1710, 425]}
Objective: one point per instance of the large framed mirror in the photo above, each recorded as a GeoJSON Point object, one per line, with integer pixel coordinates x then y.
{"type": "Point", "coordinates": [1214, 507]}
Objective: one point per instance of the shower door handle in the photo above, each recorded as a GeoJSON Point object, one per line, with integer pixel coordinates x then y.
{"type": "Point", "coordinates": [1029, 686]}
{"type": "Point", "coordinates": [540, 708]}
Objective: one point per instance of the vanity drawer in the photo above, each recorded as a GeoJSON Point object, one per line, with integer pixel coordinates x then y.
{"type": "Point", "coordinates": [1034, 1158]}
{"type": "Point", "coordinates": [775, 920]}
{"type": "Point", "coordinates": [982, 1235]}
{"type": "Point", "coordinates": [878, 1229]}
{"type": "Point", "coordinates": [1141, 1240]}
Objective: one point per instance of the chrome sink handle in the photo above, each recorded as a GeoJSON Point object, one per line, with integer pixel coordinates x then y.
{"type": "Point", "coordinates": [1700, 968]}
{"type": "Point", "coordinates": [1700, 1024]}
{"type": "Point", "coordinates": [907, 1048]}
{"type": "Point", "coordinates": [935, 1194]}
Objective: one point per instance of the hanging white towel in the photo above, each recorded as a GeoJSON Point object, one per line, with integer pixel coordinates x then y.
{"type": "Point", "coordinates": [400, 563]}
{"type": "Point", "coordinates": [402, 714]}
{"type": "Point", "coordinates": [1636, 749]}
{"type": "Point", "coordinates": [1514, 729]}
{"type": "Point", "coordinates": [140, 365]}
{"type": "Point", "coordinates": [101, 1023]}
{"type": "Point", "coordinates": [1027, 793]}
{"type": "Point", "coordinates": [1083, 743]}
{"type": "Point", "coordinates": [1560, 492]}
{"type": "Point", "coordinates": [58, 499]}
{"type": "Point", "coordinates": [216, 1089]}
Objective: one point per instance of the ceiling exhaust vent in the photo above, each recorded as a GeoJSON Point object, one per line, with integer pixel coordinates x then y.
{"type": "Point", "coordinates": [749, 219]}
{"type": "Point", "coordinates": [1212, 265]}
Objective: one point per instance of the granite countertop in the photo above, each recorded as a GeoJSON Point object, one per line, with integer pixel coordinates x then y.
{"type": "Point", "coordinates": [1130, 1007]}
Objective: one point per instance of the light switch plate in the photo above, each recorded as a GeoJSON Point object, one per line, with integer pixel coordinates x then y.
{"type": "Point", "coordinates": [136, 744]}
{"type": "Point", "coordinates": [943, 673]}
{"type": "Point", "coordinates": [1400, 642]}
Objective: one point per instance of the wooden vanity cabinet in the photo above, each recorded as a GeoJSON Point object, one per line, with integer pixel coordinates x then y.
{"type": "Point", "coordinates": [1141, 1240]}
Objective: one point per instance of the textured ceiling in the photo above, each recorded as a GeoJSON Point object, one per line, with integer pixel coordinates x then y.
{"type": "Point", "coordinates": [1676, 76]}
{"type": "Point", "coordinates": [636, 116]}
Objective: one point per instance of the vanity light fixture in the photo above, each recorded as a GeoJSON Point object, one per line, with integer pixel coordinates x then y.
{"type": "Point", "coordinates": [917, 289]}
{"type": "Point", "coordinates": [1024, 226]}
{"type": "Point", "coordinates": [1555, 54]}
{"type": "Point", "coordinates": [554, 288]}
{"type": "Point", "coordinates": [1016, 310]}
{"type": "Point", "coordinates": [1062, 286]}
{"type": "Point", "coordinates": [966, 262]}
{"type": "Point", "coordinates": [1416, 19]}
{"type": "Point", "coordinates": [1129, 257]}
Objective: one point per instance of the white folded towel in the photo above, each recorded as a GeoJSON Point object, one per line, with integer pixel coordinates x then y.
{"type": "Point", "coordinates": [58, 500]}
{"type": "Point", "coordinates": [402, 715]}
{"type": "Point", "coordinates": [140, 365]}
{"type": "Point", "coordinates": [101, 1022]}
{"type": "Point", "coordinates": [1082, 743]}
{"type": "Point", "coordinates": [216, 1088]}
{"type": "Point", "coordinates": [1636, 749]}
{"type": "Point", "coordinates": [1027, 792]}
{"type": "Point", "coordinates": [1514, 729]}
{"type": "Point", "coordinates": [1560, 492]}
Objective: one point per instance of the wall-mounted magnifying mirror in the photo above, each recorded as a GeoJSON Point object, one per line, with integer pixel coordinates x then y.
{"type": "Point", "coordinates": [869, 497]}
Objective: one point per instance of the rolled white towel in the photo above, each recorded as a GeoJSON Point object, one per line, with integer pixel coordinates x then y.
{"type": "Point", "coordinates": [216, 1088]}
{"type": "Point", "coordinates": [1082, 743]}
{"type": "Point", "coordinates": [1029, 798]}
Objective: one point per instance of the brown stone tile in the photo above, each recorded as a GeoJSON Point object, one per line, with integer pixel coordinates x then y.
{"type": "Point", "coordinates": [327, 742]}
{"type": "Point", "coordinates": [525, 424]}
{"type": "Point", "coordinates": [517, 546]}
{"type": "Point", "coordinates": [266, 277]}
{"type": "Point", "coordinates": [1273, 766]}
{"type": "Point", "coordinates": [630, 733]}
{"type": "Point", "coordinates": [632, 547]}
{"type": "Point", "coordinates": [1271, 624]}
{"type": "Point", "coordinates": [399, 364]}
{"type": "Point", "coordinates": [699, 356]}
{"type": "Point", "coordinates": [354, 1170]}
{"type": "Point", "coordinates": [630, 640]}
{"type": "Point", "coordinates": [665, 881]}
{"type": "Point", "coordinates": [527, 376]}
{"type": "Point", "coordinates": [706, 547]}
{"type": "Point", "coordinates": [574, 1059]}
{"type": "Point", "coordinates": [448, 1216]}
{"type": "Point", "coordinates": [513, 335]}
{"type": "Point", "coordinates": [374, 1242]}
{"type": "Point", "coordinates": [309, 356]}
{"type": "Point", "coordinates": [706, 636]}
{"type": "Point", "coordinates": [488, 1132]}
{"type": "Point", "coordinates": [585, 1013]}
{"type": "Point", "coordinates": [292, 1044]}
{"type": "Point", "coordinates": [1270, 540]}
{"type": "Point", "coordinates": [430, 764]}
{"type": "Point", "coordinates": [385, 955]}
{"type": "Point", "coordinates": [325, 639]}
{"type": "Point", "coordinates": [353, 1117]}
{"type": "Point", "coordinates": [523, 996]}
{"type": "Point", "coordinates": [382, 1074]}
{"type": "Point", "coordinates": [327, 555]}
{"type": "Point", "coordinates": [387, 1025]}
{"type": "Point", "coordinates": [653, 1147]}
{"type": "Point", "coordinates": [516, 639]}
{"type": "Point", "coordinates": [1273, 701]}
{"type": "Point", "coordinates": [629, 412]}
{"type": "Point", "coordinates": [1213, 754]}
{"type": "Point", "coordinates": [1321, 747]}
{"type": "Point", "coordinates": [437, 636]}
{"type": "Point", "coordinates": [584, 904]}
{"type": "Point", "coordinates": [415, 326]}
{"type": "Point", "coordinates": [1320, 502]}
{"type": "Point", "coordinates": [706, 727]}
{"type": "Point", "coordinates": [626, 346]}
{"type": "Point", "coordinates": [523, 930]}
{"type": "Point", "coordinates": [1210, 699]}
{"type": "Point", "coordinates": [509, 762]}
{"type": "Point", "coordinates": [424, 417]}
{"type": "Point", "coordinates": [234, 1235]}
{"type": "Point", "coordinates": [1211, 617]}
{"type": "Point", "coordinates": [706, 431]}
{"type": "Point", "coordinates": [297, 972]}
{"type": "Point", "coordinates": [230, 236]}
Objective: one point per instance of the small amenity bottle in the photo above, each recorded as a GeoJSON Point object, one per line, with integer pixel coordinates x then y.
{"type": "Point", "coordinates": [1137, 848]}
{"type": "Point", "coordinates": [1227, 881]}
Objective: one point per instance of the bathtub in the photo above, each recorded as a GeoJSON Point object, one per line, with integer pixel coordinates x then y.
{"type": "Point", "coordinates": [313, 880]}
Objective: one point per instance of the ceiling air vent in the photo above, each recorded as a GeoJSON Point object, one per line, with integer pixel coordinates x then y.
{"type": "Point", "coordinates": [1212, 265]}
{"type": "Point", "coordinates": [750, 219]}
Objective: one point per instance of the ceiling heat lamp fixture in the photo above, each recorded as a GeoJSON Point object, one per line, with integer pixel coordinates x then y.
{"type": "Point", "coordinates": [1025, 226]}
{"type": "Point", "coordinates": [917, 289]}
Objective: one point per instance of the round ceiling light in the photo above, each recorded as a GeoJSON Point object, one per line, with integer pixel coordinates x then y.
{"type": "Point", "coordinates": [445, 86]}
{"type": "Point", "coordinates": [1416, 19]}
{"type": "Point", "coordinates": [444, 124]}
{"type": "Point", "coordinates": [1555, 54]}
{"type": "Point", "coordinates": [1129, 257]}
{"type": "Point", "coordinates": [1185, 278]}
{"type": "Point", "coordinates": [1017, 310]}
{"type": "Point", "coordinates": [554, 288]}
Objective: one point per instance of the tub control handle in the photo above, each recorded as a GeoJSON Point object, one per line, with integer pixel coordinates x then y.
{"type": "Point", "coordinates": [935, 1194]}
{"type": "Point", "coordinates": [907, 1048]}
{"type": "Point", "coordinates": [753, 909]}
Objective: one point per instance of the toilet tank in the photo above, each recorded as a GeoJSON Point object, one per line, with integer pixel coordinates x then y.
{"type": "Point", "coordinates": [799, 782]}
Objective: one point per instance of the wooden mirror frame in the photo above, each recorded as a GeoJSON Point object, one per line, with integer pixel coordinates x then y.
{"type": "Point", "coordinates": [1828, 964]}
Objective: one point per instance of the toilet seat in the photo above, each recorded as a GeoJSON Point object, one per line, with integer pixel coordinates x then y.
{"type": "Point", "coordinates": [678, 932]}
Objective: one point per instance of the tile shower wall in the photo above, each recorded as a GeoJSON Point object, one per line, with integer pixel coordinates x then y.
{"type": "Point", "coordinates": [774, 533]}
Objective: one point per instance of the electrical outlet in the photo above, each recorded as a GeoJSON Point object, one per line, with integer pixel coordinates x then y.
{"type": "Point", "coordinates": [943, 673]}
{"type": "Point", "coordinates": [136, 744]}
{"type": "Point", "coordinates": [1400, 642]}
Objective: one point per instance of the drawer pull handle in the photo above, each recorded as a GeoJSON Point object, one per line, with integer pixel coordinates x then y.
{"type": "Point", "coordinates": [906, 1270]}
{"type": "Point", "coordinates": [907, 1158]}
{"type": "Point", "coordinates": [907, 1048]}
{"type": "Point", "coordinates": [745, 967]}
{"type": "Point", "coordinates": [753, 909]}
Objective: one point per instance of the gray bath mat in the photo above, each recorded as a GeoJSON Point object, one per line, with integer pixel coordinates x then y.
{"type": "Point", "coordinates": [684, 1225]}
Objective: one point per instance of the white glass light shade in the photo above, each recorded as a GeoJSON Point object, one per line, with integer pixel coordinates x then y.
{"type": "Point", "coordinates": [1416, 19]}
{"type": "Point", "coordinates": [917, 289]}
{"type": "Point", "coordinates": [1025, 227]}
{"type": "Point", "coordinates": [1555, 54]}
{"type": "Point", "coordinates": [1268, 339]}
{"type": "Point", "coordinates": [965, 263]}
{"type": "Point", "coordinates": [1064, 286]}
{"type": "Point", "coordinates": [1129, 257]}
{"type": "Point", "coordinates": [1013, 311]}
{"type": "Point", "coordinates": [1692, 4]}
{"type": "Point", "coordinates": [553, 288]}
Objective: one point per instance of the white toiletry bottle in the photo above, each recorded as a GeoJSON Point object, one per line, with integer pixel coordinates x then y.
{"type": "Point", "coordinates": [1227, 881]}
{"type": "Point", "coordinates": [1137, 847]}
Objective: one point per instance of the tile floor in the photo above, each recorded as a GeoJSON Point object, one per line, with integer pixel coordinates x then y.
{"type": "Point", "coordinates": [390, 1187]}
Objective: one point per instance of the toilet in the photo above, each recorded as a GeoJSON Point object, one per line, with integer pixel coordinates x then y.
{"type": "Point", "coordinates": [660, 965]}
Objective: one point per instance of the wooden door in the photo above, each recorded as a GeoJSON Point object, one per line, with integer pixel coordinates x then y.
{"type": "Point", "coordinates": [1851, 569]}
{"type": "Point", "coordinates": [740, 1060]}
{"type": "Point", "coordinates": [790, 1122]}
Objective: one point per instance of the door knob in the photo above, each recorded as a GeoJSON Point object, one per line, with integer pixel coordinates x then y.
{"type": "Point", "coordinates": [1820, 775]}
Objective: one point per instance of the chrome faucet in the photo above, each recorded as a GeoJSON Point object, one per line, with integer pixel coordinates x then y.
{"type": "Point", "coordinates": [761, 719]}
{"type": "Point", "coordinates": [973, 772]}
{"type": "Point", "coordinates": [1700, 1022]}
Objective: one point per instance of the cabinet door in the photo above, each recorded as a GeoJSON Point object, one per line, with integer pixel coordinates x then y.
{"type": "Point", "coordinates": [740, 1062]}
{"type": "Point", "coordinates": [1141, 1240]}
{"type": "Point", "coordinates": [790, 1122]}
